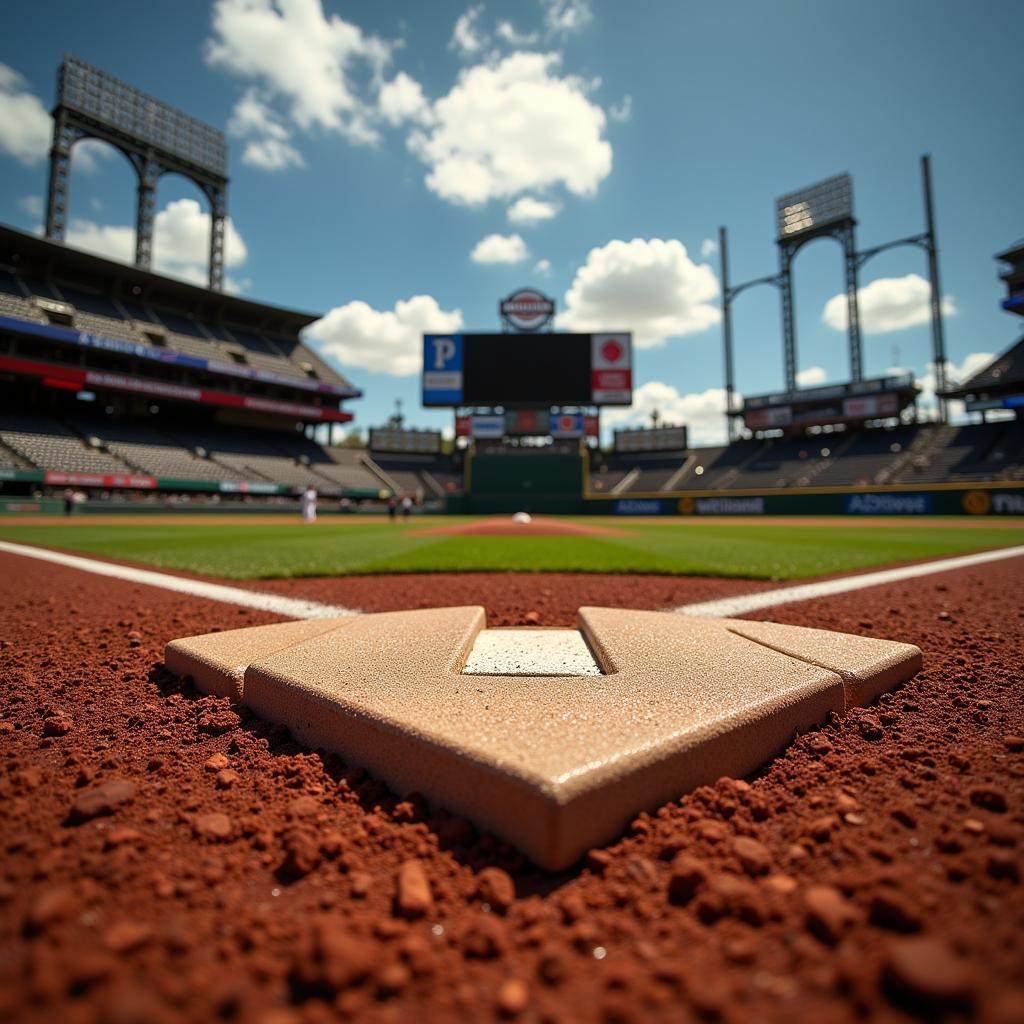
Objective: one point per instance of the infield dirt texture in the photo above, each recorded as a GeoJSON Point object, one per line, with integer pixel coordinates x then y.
{"type": "Point", "coordinates": [170, 857]}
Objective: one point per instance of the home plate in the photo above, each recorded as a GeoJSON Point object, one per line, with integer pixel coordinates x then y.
{"type": "Point", "coordinates": [553, 739]}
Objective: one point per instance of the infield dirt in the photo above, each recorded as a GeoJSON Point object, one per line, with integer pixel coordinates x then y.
{"type": "Point", "coordinates": [167, 857]}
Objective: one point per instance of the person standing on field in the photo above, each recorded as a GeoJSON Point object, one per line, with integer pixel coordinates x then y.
{"type": "Point", "coordinates": [309, 504]}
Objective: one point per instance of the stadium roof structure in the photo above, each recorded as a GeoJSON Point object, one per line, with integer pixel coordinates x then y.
{"type": "Point", "coordinates": [21, 250]}
{"type": "Point", "coordinates": [1003, 376]}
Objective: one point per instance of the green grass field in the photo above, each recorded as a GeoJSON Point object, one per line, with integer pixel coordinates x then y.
{"type": "Point", "coordinates": [341, 546]}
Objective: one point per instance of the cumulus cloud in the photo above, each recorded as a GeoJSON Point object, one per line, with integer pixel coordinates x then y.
{"type": "Point", "coordinates": [26, 128]}
{"type": "Point", "coordinates": [508, 33]}
{"type": "Point", "coordinates": [956, 373]}
{"type": "Point", "coordinates": [500, 249]}
{"type": "Point", "coordinates": [402, 99]}
{"type": "Point", "coordinates": [510, 127]}
{"type": "Point", "coordinates": [181, 241]}
{"type": "Point", "coordinates": [268, 144]}
{"type": "Point", "coordinates": [542, 267]}
{"type": "Point", "coordinates": [811, 376]}
{"type": "Point", "coordinates": [468, 38]}
{"type": "Point", "coordinates": [565, 17]}
{"type": "Point", "coordinates": [528, 210]}
{"type": "Point", "coordinates": [648, 286]}
{"type": "Point", "coordinates": [383, 341]}
{"type": "Point", "coordinates": [709, 247]}
{"type": "Point", "coordinates": [623, 110]}
{"type": "Point", "coordinates": [703, 412]}
{"type": "Point", "coordinates": [887, 304]}
{"type": "Point", "coordinates": [296, 54]}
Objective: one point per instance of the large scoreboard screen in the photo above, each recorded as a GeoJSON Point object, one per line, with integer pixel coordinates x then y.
{"type": "Point", "coordinates": [527, 369]}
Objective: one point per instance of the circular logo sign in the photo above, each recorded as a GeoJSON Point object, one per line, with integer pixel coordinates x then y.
{"type": "Point", "coordinates": [527, 309]}
{"type": "Point", "coordinates": [977, 503]}
{"type": "Point", "coordinates": [612, 351]}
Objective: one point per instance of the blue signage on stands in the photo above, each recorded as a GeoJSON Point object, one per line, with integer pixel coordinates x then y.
{"type": "Point", "coordinates": [442, 369]}
{"type": "Point", "coordinates": [170, 357]}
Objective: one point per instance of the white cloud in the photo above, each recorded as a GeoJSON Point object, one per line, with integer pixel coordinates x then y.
{"type": "Point", "coordinates": [955, 374]}
{"type": "Point", "coordinates": [508, 33]}
{"type": "Point", "coordinates": [269, 141]}
{"type": "Point", "coordinates": [703, 413]}
{"type": "Point", "coordinates": [181, 241]}
{"type": "Point", "coordinates": [468, 39]}
{"type": "Point", "coordinates": [32, 205]}
{"type": "Point", "coordinates": [708, 248]}
{"type": "Point", "coordinates": [648, 286]}
{"type": "Point", "coordinates": [383, 341]}
{"type": "Point", "coordinates": [623, 110]}
{"type": "Point", "coordinates": [271, 155]}
{"type": "Point", "coordinates": [811, 376]}
{"type": "Point", "coordinates": [542, 267]}
{"type": "Point", "coordinates": [89, 153]}
{"type": "Point", "coordinates": [26, 128]}
{"type": "Point", "coordinates": [500, 249]}
{"type": "Point", "coordinates": [887, 304]}
{"type": "Point", "coordinates": [310, 62]}
{"type": "Point", "coordinates": [564, 17]}
{"type": "Point", "coordinates": [402, 99]}
{"type": "Point", "coordinates": [528, 210]}
{"type": "Point", "coordinates": [510, 127]}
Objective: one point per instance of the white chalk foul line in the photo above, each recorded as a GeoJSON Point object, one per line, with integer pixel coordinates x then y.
{"type": "Point", "coordinates": [292, 607]}
{"type": "Point", "coordinates": [728, 607]}
{"type": "Point", "coordinates": [297, 608]}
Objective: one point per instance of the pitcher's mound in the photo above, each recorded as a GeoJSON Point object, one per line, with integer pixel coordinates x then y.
{"type": "Point", "coordinates": [506, 526]}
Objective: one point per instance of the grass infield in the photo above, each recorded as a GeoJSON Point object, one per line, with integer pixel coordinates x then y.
{"type": "Point", "coordinates": [349, 546]}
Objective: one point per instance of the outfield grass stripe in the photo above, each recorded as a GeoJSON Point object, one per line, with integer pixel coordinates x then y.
{"type": "Point", "coordinates": [731, 606]}
{"type": "Point", "coordinates": [291, 607]}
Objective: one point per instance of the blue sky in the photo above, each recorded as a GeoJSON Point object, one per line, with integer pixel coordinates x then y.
{"type": "Point", "coordinates": [401, 166]}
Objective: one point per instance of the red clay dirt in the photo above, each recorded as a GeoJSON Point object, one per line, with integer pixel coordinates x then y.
{"type": "Point", "coordinates": [167, 857]}
{"type": "Point", "coordinates": [536, 526]}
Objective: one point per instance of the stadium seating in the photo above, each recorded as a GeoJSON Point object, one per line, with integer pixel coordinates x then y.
{"type": "Point", "coordinates": [48, 444]}
{"type": "Point", "coordinates": [908, 454]}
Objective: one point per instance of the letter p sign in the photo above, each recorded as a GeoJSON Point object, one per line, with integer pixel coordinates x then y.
{"type": "Point", "coordinates": [444, 351]}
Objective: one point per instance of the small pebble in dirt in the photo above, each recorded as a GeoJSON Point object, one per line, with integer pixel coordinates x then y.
{"type": "Point", "coordinates": [687, 875]}
{"type": "Point", "coordinates": [496, 888]}
{"type": "Point", "coordinates": [226, 778]}
{"type": "Point", "coordinates": [413, 897]}
{"type": "Point", "coordinates": [102, 799]}
{"type": "Point", "coordinates": [926, 974]}
{"type": "Point", "coordinates": [125, 936]}
{"type": "Point", "coordinates": [215, 826]}
{"type": "Point", "coordinates": [59, 725]}
{"type": "Point", "coordinates": [753, 856]}
{"type": "Point", "coordinates": [829, 913]}
{"type": "Point", "coordinates": [513, 997]}
{"type": "Point", "coordinates": [216, 762]}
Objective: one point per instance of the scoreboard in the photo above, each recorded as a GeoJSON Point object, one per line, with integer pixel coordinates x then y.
{"type": "Point", "coordinates": [527, 369]}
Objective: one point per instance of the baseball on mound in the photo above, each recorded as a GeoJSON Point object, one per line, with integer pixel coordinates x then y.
{"type": "Point", "coordinates": [522, 517]}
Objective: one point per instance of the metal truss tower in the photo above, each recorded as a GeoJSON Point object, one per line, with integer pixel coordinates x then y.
{"type": "Point", "coordinates": [157, 139]}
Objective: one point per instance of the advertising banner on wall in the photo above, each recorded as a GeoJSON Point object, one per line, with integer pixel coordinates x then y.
{"type": "Point", "coordinates": [567, 425]}
{"type": "Point", "coordinates": [488, 427]}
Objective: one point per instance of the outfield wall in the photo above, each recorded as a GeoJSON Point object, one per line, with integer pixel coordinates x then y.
{"type": "Point", "coordinates": [897, 500]}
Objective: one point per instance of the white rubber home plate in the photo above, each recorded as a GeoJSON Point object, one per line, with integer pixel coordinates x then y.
{"type": "Point", "coordinates": [530, 652]}
{"type": "Point", "coordinates": [552, 739]}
